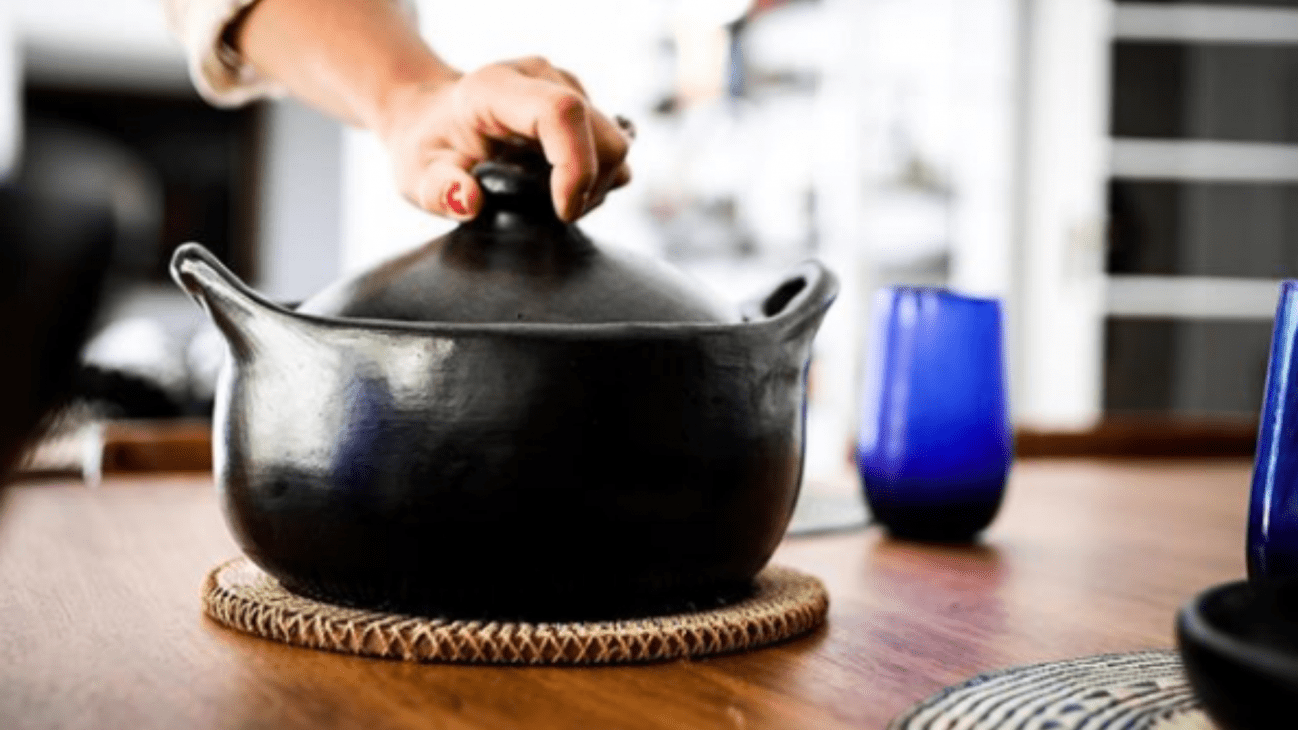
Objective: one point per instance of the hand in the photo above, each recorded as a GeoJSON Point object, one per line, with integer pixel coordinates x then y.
{"type": "Point", "coordinates": [437, 131]}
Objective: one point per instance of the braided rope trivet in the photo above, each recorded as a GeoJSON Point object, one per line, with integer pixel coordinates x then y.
{"type": "Point", "coordinates": [1139, 691]}
{"type": "Point", "coordinates": [786, 603]}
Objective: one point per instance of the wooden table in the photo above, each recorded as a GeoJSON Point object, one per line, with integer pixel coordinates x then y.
{"type": "Point", "coordinates": [101, 627]}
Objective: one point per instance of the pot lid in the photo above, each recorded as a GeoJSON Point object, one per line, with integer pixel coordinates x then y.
{"type": "Point", "coordinates": [518, 262]}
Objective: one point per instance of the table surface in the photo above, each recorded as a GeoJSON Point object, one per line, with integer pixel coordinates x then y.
{"type": "Point", "coordinates": [102, 627]}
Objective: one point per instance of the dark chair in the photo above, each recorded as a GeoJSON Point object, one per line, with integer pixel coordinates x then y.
{"type": "Point", "coordinates": [54, 255]}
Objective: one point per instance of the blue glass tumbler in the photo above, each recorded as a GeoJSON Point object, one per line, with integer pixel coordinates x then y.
{"type": "Point", "coordinates": [934, 446]}
{"type": "Point", "coordinates": [1272, 542]}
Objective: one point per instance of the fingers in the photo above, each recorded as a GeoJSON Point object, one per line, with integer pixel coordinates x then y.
{"type": "Point", "coordinates": [532, 99]}
{"type": "Point", "coordinates": [564, 128]}
{"type": "Point", "coordinates": [449, 132]}
{"type": "Point", "coordinates": [566, 78]}
{"type": "Point", "coordinates": [621, 177]}
{"type": "Point", "coordinates": [505, 102]}
{"type": "Point", "coordinates": [612, 142]}
{"type": "Point", "coordinates": [611, 147]}
{"type": "Point", "coordinates": [538, 67]}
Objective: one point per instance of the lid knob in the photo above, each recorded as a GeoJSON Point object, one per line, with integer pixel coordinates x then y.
{"type": "Point", "coordinates": [516, 181]}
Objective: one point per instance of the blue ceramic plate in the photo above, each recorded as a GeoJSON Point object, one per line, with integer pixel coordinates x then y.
{"type": "Point", "coordinates": [1239, 644]}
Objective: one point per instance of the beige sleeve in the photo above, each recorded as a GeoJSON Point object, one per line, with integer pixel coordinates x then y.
{"type": "Point", "coordinates": [217, 70]}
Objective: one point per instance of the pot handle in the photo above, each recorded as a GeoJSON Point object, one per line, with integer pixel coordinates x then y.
{"type": "Point", "coordinates": [797, 303]}
{"type": "Point", "coordinates": [237, 311]}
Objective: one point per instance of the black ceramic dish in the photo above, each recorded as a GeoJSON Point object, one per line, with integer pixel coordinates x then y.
{"type": "Point", "coordinates": [511, 468]}
{"type": "Point", "coordinates": [1239, 644]}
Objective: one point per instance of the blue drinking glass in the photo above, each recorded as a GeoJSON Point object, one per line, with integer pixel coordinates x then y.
{"type": "Point", "coordinates": [1272, 543]}
{"type": "Point", "coordinates": [934, 446]}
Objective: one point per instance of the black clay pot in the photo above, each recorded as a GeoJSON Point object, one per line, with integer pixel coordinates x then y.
{"type": "Point", "coordinates": [574, 434]}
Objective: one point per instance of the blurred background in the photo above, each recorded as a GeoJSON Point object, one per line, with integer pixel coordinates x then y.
{"type": "Point", "coordinates": [1124, 175]}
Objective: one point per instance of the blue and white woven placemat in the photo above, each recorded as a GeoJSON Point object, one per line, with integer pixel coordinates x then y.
{"type": "Point", "coordinates": [1139, 691]}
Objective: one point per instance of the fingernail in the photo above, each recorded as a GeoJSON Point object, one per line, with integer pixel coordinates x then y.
{"type": "Point", "coordinates": [626, 125]}
{"type": "Point", "coordinates": [455, 204]}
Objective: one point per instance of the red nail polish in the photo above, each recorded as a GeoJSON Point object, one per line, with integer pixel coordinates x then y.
{"type": "Point", "coordinates": [454, 204]}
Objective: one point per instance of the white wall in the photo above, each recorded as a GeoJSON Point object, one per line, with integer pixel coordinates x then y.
{"type": "Point", "coordinates": [300, 223]}
{"type": "Point", "coordinates": [1061, 309]}
{"type": "Point", "coordinates": [118, 27]}
{"type": "Point", "coordinates": [99, 42]}
{"type": "Point", "coordinates": [986, 107]}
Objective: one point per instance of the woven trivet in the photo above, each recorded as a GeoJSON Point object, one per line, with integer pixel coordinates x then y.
{"type": "Point", "coordinates": [786, 603]}
{"type": "Point", "coordinates": [1139, 691]}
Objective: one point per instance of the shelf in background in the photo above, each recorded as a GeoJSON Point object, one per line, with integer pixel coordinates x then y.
{"type": "Point", "coordinates": [1194, 23]}
{"type": "Point", "coordinates": [1191, 297]}
{"type": "Point", "coordinates": [1203, 160]}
